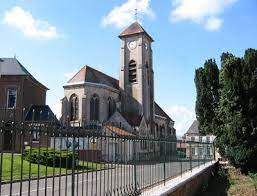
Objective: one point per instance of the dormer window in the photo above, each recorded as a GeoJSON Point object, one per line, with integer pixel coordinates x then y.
{"type": "Point", "coordinates": [132, 71]}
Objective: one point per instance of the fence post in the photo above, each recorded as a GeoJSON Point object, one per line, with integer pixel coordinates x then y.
{"type": "Point", "coordinates": [134, 165]}
{"type": "Point", "coordinates": [214, 154]}
{"type": "Point", "coordinates": [204, 153]}
{"type": "Point", "coordinates": [198, 150]}
{"type": "Point", "coordinates": [180, 159]}
{"type": "Point", "coordinates": [190, 156]}
{"type": "Point", "coordinates": [164, 168]}
{"type": "Point", "coordinates": [73, 166]}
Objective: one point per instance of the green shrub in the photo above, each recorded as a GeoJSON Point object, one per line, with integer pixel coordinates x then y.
{"type": "Point", "coordinates": [50, 157]}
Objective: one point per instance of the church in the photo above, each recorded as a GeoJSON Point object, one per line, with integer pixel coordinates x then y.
{"type": "Point", "coordinates": [92, 97]}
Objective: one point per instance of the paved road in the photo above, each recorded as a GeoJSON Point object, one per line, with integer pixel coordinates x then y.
{"type": "Point", "coordinates": [115, 181]}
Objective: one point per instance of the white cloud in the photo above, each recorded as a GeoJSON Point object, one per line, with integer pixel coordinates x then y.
{"type": "Point", "coordinates": [205, 12]}
{"type": "Point", "coordinates": [28, 25]}
{"type": "Point", "coordinates": [213, 24]}
{"type": "Point", "coordinates": [123, 15]}
{"type": "Point", "coordinates": [182, 116]}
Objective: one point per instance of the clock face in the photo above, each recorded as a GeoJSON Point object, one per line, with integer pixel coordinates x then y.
{"type": "Point", "coordinates": [132, 45]}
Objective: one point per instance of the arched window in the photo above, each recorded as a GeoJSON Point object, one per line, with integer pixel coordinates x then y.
{"type": "Point", "coordinates": [111, 106]}
{"type": "Point", "coordinates": [94, 108]}
{"type": "Point", "coordinates": [132, 71]}
{"type": "Point", "coordinates": [74, 107]}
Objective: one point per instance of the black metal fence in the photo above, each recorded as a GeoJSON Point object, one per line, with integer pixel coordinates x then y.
{"type": "Point", "coordinates": [45, 159]}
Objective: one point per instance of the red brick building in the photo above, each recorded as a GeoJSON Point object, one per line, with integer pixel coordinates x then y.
{"type": "Point", "coordinates": [18, 91]}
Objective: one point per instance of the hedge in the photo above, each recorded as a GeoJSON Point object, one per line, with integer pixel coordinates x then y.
{"type": "Point", "coordinates": [50, 157]}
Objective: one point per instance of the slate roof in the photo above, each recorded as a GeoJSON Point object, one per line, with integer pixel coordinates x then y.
{"type": "Point", "coordinates": [134, 28]}
{"type": "Point", "coordinates": [160, 112]}
{"type": "Point", "coordinates": [11, 66]}
{"type": "Point", "coordinates": [193, 129]}
{"type": "Point", "coordinates": [47, 114]}
{"type": "Point", "coordinates": [88, 74]}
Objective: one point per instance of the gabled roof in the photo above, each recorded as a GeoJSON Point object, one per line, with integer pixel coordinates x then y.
{"type": "Point", "coordinates": [193, 129]}
{"type": "Point", "coordinates": [160, 112]}
{"type": "Point", "coordinates": [133, 29]}
{"type": "Point", "coordinates": [40, 113]}
{"type": "Point", "coordinates": [88, 74]}
{"type": "Point", "coordinates": [11, 66]}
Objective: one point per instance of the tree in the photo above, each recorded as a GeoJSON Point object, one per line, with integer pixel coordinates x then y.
{"type": "Point", "coordinates": [207, 85]}
{"type": "Point", "coordinates": [233, 112]}
{"type": "Point", "coordinates": [237, 134]}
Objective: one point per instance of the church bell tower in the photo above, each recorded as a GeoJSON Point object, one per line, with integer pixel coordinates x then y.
{"type": "Point", "coordinates": [136, 72]}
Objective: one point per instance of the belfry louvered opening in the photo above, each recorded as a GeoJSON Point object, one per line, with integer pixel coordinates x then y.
{"type": "Point", "coordinates": [132, 71]}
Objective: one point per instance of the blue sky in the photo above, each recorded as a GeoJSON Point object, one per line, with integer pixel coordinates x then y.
{"type": "Point", "coordinates": [55, 38]}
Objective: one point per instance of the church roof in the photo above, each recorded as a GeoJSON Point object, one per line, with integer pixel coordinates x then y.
{"type": "Point", "coordinates": [12, 67]}
{"type": "Point", "coordinates": [88, 74]}
{"type": "Point", "coordinates": [160, 112]}
{"type": "Point", "coordinates": [193, 129]}
{"type": "Point", "coordinates": [134, 28]}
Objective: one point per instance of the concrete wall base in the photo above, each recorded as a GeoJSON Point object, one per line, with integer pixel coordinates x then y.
{"type": "Point", "coordinates": [188, 184]}
{"type": "Point", "coordinates": [195, 184]}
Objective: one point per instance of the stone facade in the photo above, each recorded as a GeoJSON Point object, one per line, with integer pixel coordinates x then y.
{"type": "Point", "coordinates": [84, 93]}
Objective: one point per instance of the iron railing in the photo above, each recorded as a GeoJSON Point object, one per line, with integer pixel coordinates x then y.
{"type": "Point", "coordinates": [39, 158]}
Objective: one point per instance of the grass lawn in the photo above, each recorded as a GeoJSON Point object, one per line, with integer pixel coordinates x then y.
{"type": "Point", "coordinates": [230, 182]}
{"type": "Point", "coordinates": [6, 168]}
